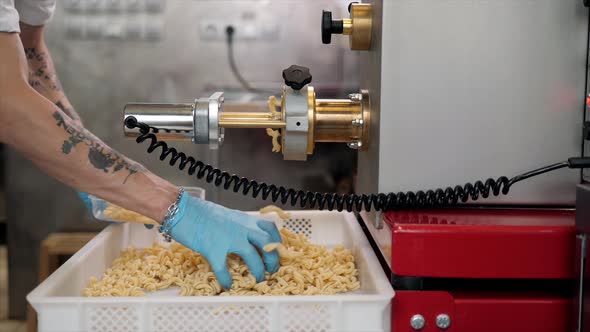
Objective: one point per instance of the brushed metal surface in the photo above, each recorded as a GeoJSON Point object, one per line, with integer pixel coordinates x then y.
{"type": "Point", "coordinates": [173, 121]}
{"type": "Point", "coordinates": [476, 89]}
{"type": "Point", "coordinates": [296, 131]}
{"type": "Point", "coordinates": [369, 175]}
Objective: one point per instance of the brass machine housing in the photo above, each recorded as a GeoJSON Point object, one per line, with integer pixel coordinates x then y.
{"type": "Point", "coordinates": [329, 120]}
{"type": "Point", "coordinates": [359, 27]}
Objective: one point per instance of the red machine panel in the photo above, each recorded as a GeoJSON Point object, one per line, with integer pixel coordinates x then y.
{"type": "Point", "coordinates": [483, 243]}
{"type": "Point", "coordinates": [471, 312]}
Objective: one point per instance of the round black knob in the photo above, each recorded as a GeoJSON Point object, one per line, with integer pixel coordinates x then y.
{"type": "Point", "coordinates": [330, 26]}
{"type": "Point", "coordinates": [297, 77]}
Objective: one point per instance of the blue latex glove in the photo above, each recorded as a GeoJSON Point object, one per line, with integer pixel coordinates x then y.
{"type": "Point", "coordinates": [215, 231]}
{"type": "Point", "coordinates": [85, 199]}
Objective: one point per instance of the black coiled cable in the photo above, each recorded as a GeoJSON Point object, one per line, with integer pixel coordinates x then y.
{"type": "Point", "coordinates": [330, 201]}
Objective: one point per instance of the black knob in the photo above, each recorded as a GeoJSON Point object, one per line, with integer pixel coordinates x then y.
{"type": "Point", "coordinates": [330, 27]}
{"type": "Point", "coordinates": [586, 3]}
{"type": "Point", "coordinates": [297, 77]}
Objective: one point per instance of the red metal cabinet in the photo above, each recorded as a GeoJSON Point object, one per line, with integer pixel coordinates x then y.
{"type": "Point", "coordinates": [479, 243]}
{"type": "Point", "coordinates": [490, 245]}
{"type": "Point", "coordinates": [483, 312]}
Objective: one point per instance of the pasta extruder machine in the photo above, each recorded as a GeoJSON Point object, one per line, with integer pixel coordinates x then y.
{"type": "Point", "coordinates": [451, 91]}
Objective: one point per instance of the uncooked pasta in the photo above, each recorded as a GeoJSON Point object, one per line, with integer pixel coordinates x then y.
{"type": "Point", "coordinates": [120, 214]}
{"type": "Point", "coordinates": [274, 133]}
{"type": "Point", "coordinates": [305, 269]}
{"type": "Point", "coordinates": [272, 208]}
{"type": "Point", "coordinates": [276, 146]}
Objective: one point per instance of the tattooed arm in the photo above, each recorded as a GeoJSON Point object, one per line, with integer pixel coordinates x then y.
{"type": "Point", "coordinates": [34, 126]}
{"type": "Point", "coordinates": [42, 75]}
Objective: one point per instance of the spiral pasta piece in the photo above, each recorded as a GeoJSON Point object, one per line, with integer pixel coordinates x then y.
{"type": "Point", "coordinates": [272, 208]}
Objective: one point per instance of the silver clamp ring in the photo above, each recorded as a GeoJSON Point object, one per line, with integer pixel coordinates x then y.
{"type": "Point", "coordinates": [206, 113]}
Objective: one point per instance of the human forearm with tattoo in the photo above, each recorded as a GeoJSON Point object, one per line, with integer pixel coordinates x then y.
{"type": "Point", "coordinates": [42, 75]}
{"type": "Point", "coordinates": [60, 146]}
{"type": "Point", "coordinates": [34, 125]}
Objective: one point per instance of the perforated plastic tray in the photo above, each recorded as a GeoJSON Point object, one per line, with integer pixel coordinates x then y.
{"type": "Point", "coordinates": [61, 308]}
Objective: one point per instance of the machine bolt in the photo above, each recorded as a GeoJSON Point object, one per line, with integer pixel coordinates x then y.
{"type": "Point", "coordinates": [357, 122]}
{"type": "Point", "coordinates": [417, 322]}
{"type": "Point", "coordinates": [443, 321]}
{"type": "Point", "coordinates": [355, 97]}
{"type": "Point", "coordinates": [354, 145]}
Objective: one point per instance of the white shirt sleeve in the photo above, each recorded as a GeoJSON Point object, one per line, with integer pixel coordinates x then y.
{"type": "Point", "coordinates": [8, 17]}
{"type": "Point", "coordinates": [35, 12]}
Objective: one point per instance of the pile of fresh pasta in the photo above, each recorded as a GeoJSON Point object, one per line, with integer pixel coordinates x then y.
{"type": "Point", "coordinates": [305, 269]}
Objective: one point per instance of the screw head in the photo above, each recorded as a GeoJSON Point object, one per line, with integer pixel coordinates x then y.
{"type": "Point", "coordinates": [355, 96]}
{"type": "Point", "coordinates": [354, 145]}
{"type": "Point", "coordinates": [443, 321]}
{"type": "Point", "coordinates": [417, 322]}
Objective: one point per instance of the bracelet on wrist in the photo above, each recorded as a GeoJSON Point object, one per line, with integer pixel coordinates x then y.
{"type": "Point", "coordinates": [166, 226]}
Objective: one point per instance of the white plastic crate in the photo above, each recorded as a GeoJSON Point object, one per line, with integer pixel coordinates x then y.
{"type": "Point", "coordinates": [61, 308]}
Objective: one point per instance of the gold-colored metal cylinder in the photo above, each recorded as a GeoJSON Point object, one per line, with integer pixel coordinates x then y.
{"type": "Point", "coordinates": [362, 20]}
{"type": "Point", "coordinates": [249, 120]}
{"type": "Point", "coordinates": [347, 26]}
{"type": "Point", "coordinates": [335, 120]}
{"type": "Point", "coordinates": [329, 120]}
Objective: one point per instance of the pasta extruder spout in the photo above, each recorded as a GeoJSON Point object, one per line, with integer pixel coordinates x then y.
{"type": "Point", "coordinates": [298, 118]}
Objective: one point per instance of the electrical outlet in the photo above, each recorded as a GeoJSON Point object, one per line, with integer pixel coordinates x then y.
{"type": "Point", "coordinates": [246, 32]}
{"type": "Point", "coordinates": [216, 31]}
{"type": "Point", "coordinates": [115, 29]}
{"type": "Point", "coordinates": [210, 31]}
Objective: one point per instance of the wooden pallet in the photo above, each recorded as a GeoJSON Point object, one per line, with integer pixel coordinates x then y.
{"type": "Point", "coordinates": [52, 248]}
